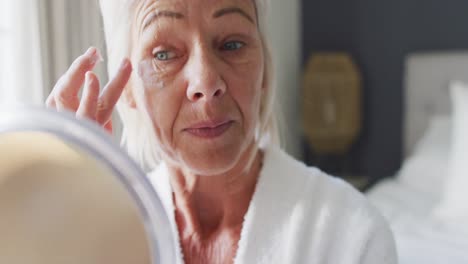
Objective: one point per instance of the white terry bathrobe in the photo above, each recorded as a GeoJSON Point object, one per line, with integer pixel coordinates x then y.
{"type": "Point", "coordinates": [299, 215]}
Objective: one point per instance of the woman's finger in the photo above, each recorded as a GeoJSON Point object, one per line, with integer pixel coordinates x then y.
{"type": "Point", "coordinates": [50, 102]}
{"type": "Point", "coordinates": [65, 93]}
{"type": "Point", "coordinates": [63, 102]}
{"type": "Point", "coordinates": [108, 126]}
{"type": "Point", "coordinates": [113, 91]}
{"type": "Point", "coordinates": [89, 99]}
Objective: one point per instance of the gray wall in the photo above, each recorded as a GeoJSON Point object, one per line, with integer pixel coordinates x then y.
{"type": "Point", "coordinates": [379, 34]}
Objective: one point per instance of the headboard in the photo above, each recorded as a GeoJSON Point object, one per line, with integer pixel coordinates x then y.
{"type": "Point", "coordinates": [427, 78]}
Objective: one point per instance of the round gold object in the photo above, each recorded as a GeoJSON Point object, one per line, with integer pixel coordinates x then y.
{"type": "Point", "coordinates": [331, 102]}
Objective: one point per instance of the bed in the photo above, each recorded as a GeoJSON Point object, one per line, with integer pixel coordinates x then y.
{"type": "Point", "coordinates": [409, 199]}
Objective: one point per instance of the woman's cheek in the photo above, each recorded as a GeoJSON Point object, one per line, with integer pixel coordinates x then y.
{"type": "Point", "coordinates": [163, 106]}
{"type": "Point", "coordinates": [249, 96]}
{"type": "Point", "coordinates": [245, 96]}
{"type": "Point", "coordinates": [157, 84]}
{"type": "Point", "coordinates": [151, 76]}
{"type": "Point", "coordinates": [249, 76]}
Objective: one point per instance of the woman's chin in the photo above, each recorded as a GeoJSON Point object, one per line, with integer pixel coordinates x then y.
{"type": "Point", "coordinates": [211, 164]}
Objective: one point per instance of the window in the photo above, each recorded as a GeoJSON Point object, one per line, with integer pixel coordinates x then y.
{"type": "Point", "coordinates": [20, 62]}
{"type": "Point", "coordinates": [5, 46]}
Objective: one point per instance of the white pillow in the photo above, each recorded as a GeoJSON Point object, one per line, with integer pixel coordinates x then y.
{"type": "Point", "coordinates": [437, 138]}
{"type": "Point", "coordinates": [426, 170]}
{"type": "Point", "coordinates": [453, 207]}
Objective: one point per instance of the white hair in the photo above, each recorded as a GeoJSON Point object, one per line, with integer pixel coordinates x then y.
{"type": "Point", "coordinates": [138, 135]}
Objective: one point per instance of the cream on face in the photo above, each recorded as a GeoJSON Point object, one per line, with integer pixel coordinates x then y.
{"type": "Point", "coordinates": [147, 72]}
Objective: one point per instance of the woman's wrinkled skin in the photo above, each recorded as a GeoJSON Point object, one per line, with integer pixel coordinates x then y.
{"type": "Point", "coordinates": [198, 64]}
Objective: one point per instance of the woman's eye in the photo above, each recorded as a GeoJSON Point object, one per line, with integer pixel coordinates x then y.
{"type": "Point", "coordinates": [233, 45]}
{"type": "Point", "coordinates": [164, 55]}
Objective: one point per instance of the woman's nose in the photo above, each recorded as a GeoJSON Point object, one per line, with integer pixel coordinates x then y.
{"type": "Point", "coordinates": [205, 81]}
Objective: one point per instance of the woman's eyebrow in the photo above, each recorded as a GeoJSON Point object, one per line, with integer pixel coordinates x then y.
{"type": "Point", "coordinates": [160, 13]}
{"type": "Point", "coordinates": [231, 10]}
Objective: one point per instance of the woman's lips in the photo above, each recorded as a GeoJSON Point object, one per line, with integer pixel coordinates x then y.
{"type": "Point", "coordinates": [209, 130]}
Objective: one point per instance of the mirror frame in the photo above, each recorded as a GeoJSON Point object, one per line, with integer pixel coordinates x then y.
{"type": "Point", "coordinates": [92, 139]}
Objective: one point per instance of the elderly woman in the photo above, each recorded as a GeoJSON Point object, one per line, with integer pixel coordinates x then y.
{"type": "Point", "coordinates": [192, 84]}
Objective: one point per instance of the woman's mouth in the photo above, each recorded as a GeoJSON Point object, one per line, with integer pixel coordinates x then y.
{"type": "Point", "coordinates": [209, 129]}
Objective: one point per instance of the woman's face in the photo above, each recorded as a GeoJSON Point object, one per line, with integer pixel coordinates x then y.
{"type": "Point", "coordinates": [200, 70]}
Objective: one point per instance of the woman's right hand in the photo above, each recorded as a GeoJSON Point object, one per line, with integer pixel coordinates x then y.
{"type": "Point", "coordinates": [94, 105]}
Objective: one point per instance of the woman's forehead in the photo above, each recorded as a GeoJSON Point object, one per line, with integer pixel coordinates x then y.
{"type": "Point", "coordinates": [206, 2]}
{"type": "Point", "coordinates": [148, 11]}
{"type": "Point", "coordinates": [187, 6]}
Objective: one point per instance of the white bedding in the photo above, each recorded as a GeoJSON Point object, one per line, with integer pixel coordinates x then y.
{"type": "Point", "coordinates": [408, 202]}
{"type": "Point", "coordinates": [419, 238]}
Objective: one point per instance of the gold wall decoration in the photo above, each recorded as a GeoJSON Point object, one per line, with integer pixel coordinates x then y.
{"type": "Point", "coordinates": [331, 102]}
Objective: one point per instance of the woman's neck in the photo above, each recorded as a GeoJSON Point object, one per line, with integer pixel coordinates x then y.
{"type": "Point", "coordinates": [205, 205]}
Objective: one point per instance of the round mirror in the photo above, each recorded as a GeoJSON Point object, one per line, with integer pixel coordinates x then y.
{"type": "Point", "coordinates": [69, 195]}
